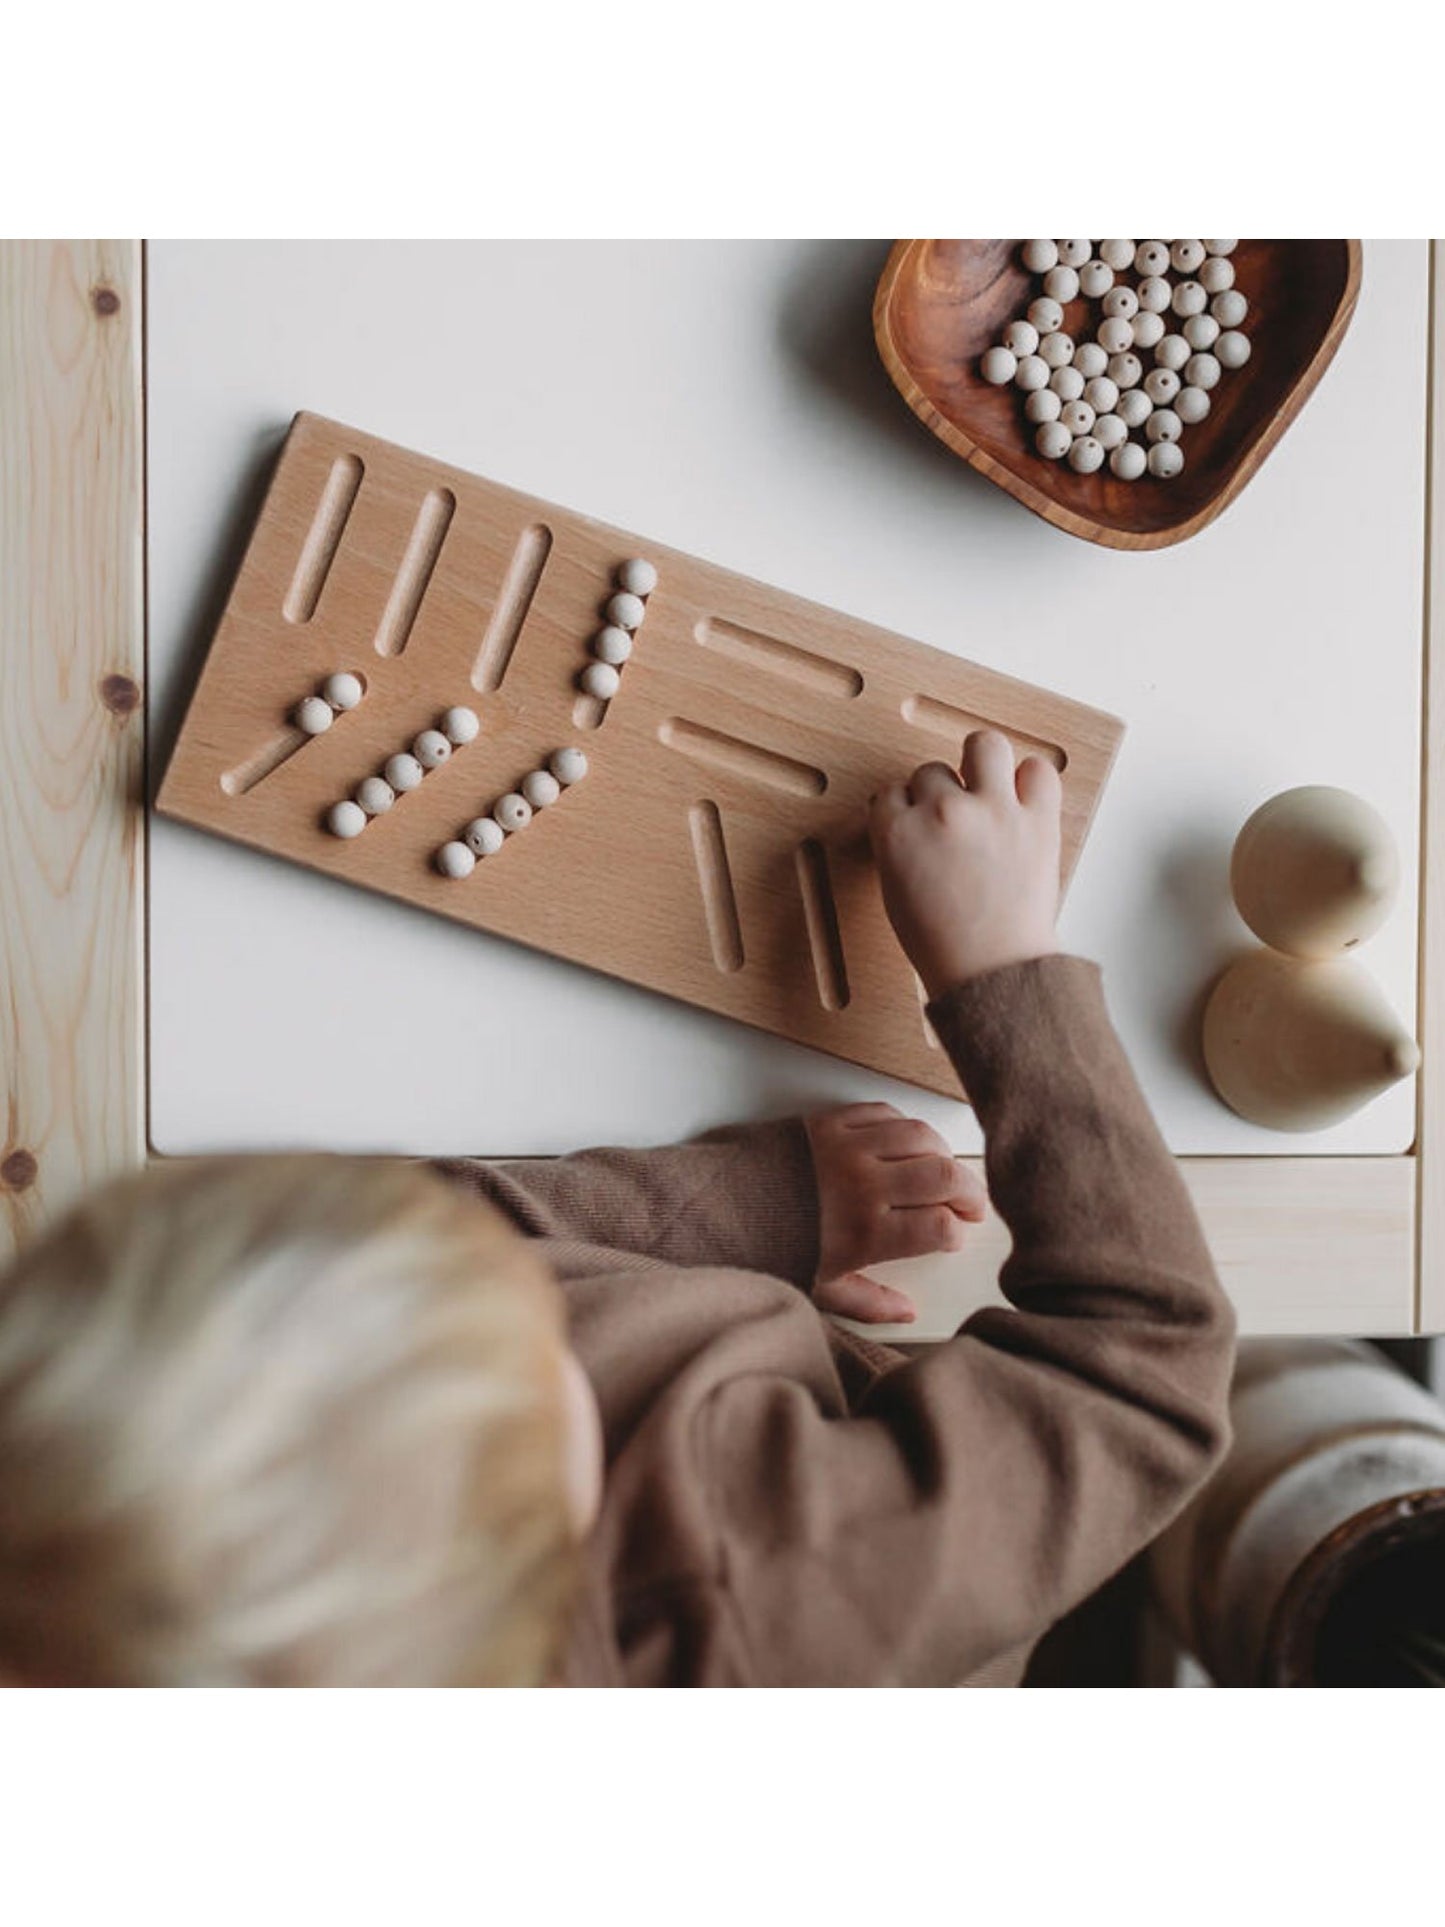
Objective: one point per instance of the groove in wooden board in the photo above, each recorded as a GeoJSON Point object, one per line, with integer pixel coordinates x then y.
{"type": "Point", "coordinates": [433, 519]}
{"type": "Point", "coordinates": [514, 600]}
{"type": "Point", "coordinates": [737, 758]}
{"type": "Point", "coordinates": [930, 1035]}
{"type": "Point", "coordinates": [264, 762]}
{"type": "Point", "coordinates": [820, 915]}
{"type": "Point", "coordinates": [819, 674]}
{"type": "Point", "coordinates": [943, 719]}
{"type": "Point", "coordinates": [588, 711]}
{"type": "Point", "coordinates": [323, 539]}
{"type": "Point", "coordinates": [715, 881]}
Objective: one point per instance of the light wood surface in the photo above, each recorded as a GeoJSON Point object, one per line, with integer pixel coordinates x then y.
{"type": "Point", "coordinates": [1430, 1085]}
{"type": "Point", "coordinates": [716, 850]}
{"type": "Point", "coordinates": [71, 722]}
{"type": "Point", "coordinates": [941, 304]}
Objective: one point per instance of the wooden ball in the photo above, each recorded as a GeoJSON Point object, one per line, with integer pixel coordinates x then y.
{"type": "Point", "coordinates": [601, 680]}
{"type": "Point", "coordinates": [1232, 349]}
{"type": "Point", "coordinates": [461, 725]}
{"type": "Point", "coordinates": [1052, 440]}
{"type": "Point", "coordinates": [1090, 359]}
{"type": "Point", "coordinates": [1155, 294]}
{"type": "Point", "coordinates": [1086, 455]}
{"type": "Point", "coordinates": [1166, 460]}
{"type": "Point", "coordinates": [637, 576]}
{"type": "Point", "coordinates": [1148, 330]}
{"type": "Point", "coordinates": [1046, 314]}
{"type": "Point", "coordinates": [1067, 383]}
{"type": "Point", "coordinates": [1032, 373]}
{"type": "Point", "coordinates": [512, 812]}
{"type": "Point", "coordinates": [1189, 298]}
{"type": "Point", "coordinates": [1110, 432]}
{"type": "Point", "coordinates": [1077, 417]}
{"type": "Point", "coordinates": [568, 766]}
{"type": "Point", "coordinates": [1125, 371]}
{"type": "Point", "coordinates": [431, 749]}
{"type": "Point", "coordinates": [484, 836]}
{"type": "Point", "coordinates": [1116, 335]}
{"type": "Point", "coordinates": [1229, 308]}
{"type": "Point", "coordinates": [1151, 259]}
{"type": "Point", "coordinates": [403, 772]}
{"type": "Point", "coordinates": [1118, 254]}
{"type": "Point", "coordinates": [1134, 408]}
{"type": "Point", "coordinates": [1101, 394]}
{"type": "Point", "coordinates": [1096, 278]}
{"type": "Point", "coordinates": [1062, 283]}
{"type": "Point", "coordinates": [375, 795]}
{"type": "Point", "coordinates": [612, 645]}
{"type": "Point", "coordinates": [1161, 385]}
{"type": "Point", "coordinates": [1074, 254]}
{"type": "Point", "coordinates": [1021, 338]}
{"type": "Point", "coordinates": [1220, 247]}
{"type": "Point", "coordinates": [1121, 304]}
{"type": "Point", "coordinates": [1040, 256]}
{"type": "Point", "coordinates": [1172, 352]}
{"type": "Point", "coordinates": [346, 819]}
{"type": "Point", "coordinates": [541, 788]}
{"type": "Point", "coordinates": [1201, 331]}
{"type": "Point", "coordinates": [1202, 371]}
{"type": "Point", "coordinates": [1163, 426]}
{"type": "Point", "coordinates": [455, 860]}
{"type": "Point", "coordinates": [343, 690]}
{"type": "Point", "coordinates": [1314, 871]}
{"type": "Point", "coordinates": [1042, 406]}
{"type": "Point", "coordinates": [1057, 350]}
{"type": "Point", "coordinates": [999, 366]}
{"type": "Point", "coordinates": [314, 715]}
{"type": "Point", "coordinates": [1191, 405]}
{"type": "Point", "coordinates": [627, 610]}
{"type": "Point", "coordinates": [1217, 274]}
{"type": "Point", "coordinates": [1128, 461]}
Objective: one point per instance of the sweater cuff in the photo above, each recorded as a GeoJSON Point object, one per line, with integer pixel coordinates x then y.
{"type": "Point", "coordinates": [1022, 1019]}
{"type": "Point", "coordinates": [780, 1198]}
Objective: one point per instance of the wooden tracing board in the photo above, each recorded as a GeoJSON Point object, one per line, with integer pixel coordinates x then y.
{"type": "Point", "coordinates": [716, 850]}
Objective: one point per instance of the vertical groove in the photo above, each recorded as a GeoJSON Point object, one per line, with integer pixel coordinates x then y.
{"type": "Point", "coordinates": [433, 519]}
{"type": "Point", "coordinates": [519, 586]}
{"type": "Point", "coordinates": [719, 902]}
{"type": "Point", "coordinates": [323, 539]}
{"type": "Point", "coordinates": [820, 913]}
{"type": "Point", "coordinates": [588, 711]}
{"type": "Point", "coordinates": [264, 761]}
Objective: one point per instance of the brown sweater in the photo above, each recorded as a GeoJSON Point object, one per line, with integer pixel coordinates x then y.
{"type": "Point", "coordinates": [789, 1505]}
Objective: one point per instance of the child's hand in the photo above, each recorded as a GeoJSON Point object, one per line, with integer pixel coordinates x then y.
{"type": "Point", "coordinates": [888, 1187]}
{"type": "Point", "coordinates": [970, 868]}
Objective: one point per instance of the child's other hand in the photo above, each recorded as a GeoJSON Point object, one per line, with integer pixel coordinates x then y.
{"type": "Point", "coordinates": [888, 1187]}
{"type": "Point", "coordinates": [970, 865]}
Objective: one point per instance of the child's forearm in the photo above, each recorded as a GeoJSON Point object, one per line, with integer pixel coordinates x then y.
{"type": "Point", "coordinates": [741, 1197]}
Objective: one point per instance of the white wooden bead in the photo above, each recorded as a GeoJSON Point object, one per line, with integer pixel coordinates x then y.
{"type": "Point", "coordinates": [1043, 405]}
{"type": "Point", "coordinates": [1189, 298]}
{"type": "Point", "coordinates": [1101, 394]}
{"type": "Point", "coordinates": [1202, 371]}
{"type": "Point", "coordinates": [568, 766]}
{"type": "Point", "coordinates": [1201, 331]}
{"type": "Point", "coordinates": [1148, 329]}
{"type": "Point", "coordinates": [1095, 279]}
{"type": "Point", "coordinates": [346, 819]}
{"type": "Point", "coordinates": [999, 366]}
{"type": "Point", "coordinates": [403, 772]}
{"type": "Point", "coordinates": [313, 715]}
{"type": "Point", "coordinates": [1161, 385]}
{"type": "Point", "coordinates": [1154, 294]}
{"type": "Point", "coordinates": [1062, 283]}
{"type": "Point", "coordinates": [637, 576]}
{"type": "Point", "coordinates": [461, 725]}
{"type": "Point", "coordinates": [1110, 431]}
{"type": "Point", "coordinates": [1057, 350]}
{"type": "Point", "coordinates": [455, 860]}
{"type": "Point", "coordinates": [1046, 314]}
{"type": "Point", "coordinates": [1121, 304]}
{"type": "Point", "coordinates": [1229, 308]}
{"type": "Point", "coordinates": [1116, 336]}
{"type": "Point", "coordinates": [343, 690]}
{"type": "Point", "coordinates": [1220, 247]}
{"type": "Point", "coordinates": [1033, 372]}
{"type": "Point", "coordinates": [1232, 350]}
{"type": "Point", "coordinates": [1067, 383]}
{"type": "Point", "coordinates": [600, 679]}
{"type": "Point", "coordinates": [1077, 417]}
{"type": "Point", "coordinates": [1172, 352]}
{"type": "Point", "coordinates": [1086, 455]}
{"type": "Point", "coordinates": [1052, 440]}
{"type": "Point", "coordinates": [1021, 338]}
{"type": "Point", "coordinates": [1040, 256]}
{"type": "Point", "coordinates": [1166, 459]}
{"type": "Point", "coordinates": [513, 812]}
{"type": "Point", "coordinates": [612, 645]}
{"type": "Point", "coordinates": [1163, 426]}
{"type": "Point", "coordinates": [1074, 254]}
{"type": "Point", "coordinates": [1191, 405]}
{"type": "Point", "coordinates": [1118, 254]}
{"type": "Point", "coordinates": [375, 795]}
{"type": "Point", "coordinates": [627, 610]}
{"type": "Point", "coordinates": [1151, 258]}
{"type": "Point", "coordinates": [1187, 257]}
{"type": "Point", "coordinates": [484, 836]}
{"type": "Point", "coordinates": [1134, 408]}
{"type": "Point", "coordinates": [1217, 274]}
{"type": "Point", "coordinates": [1125, 371]}
{"type": "Point", "coordinates": [541, 788]}
{"type": "Point", "coordinates": [1128, 461]}
{"type": "Point", "coordinates": [431, 749]}
{"type": "Point", "coordinates": [1090, 359]}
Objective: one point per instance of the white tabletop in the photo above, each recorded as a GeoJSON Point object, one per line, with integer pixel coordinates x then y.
{"type": "Point", "coordinates": [725, 398]}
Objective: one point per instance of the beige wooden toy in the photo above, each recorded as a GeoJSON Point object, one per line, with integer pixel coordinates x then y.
{"type": "Point", "coordinates": [1298, 1045]}
{"type": "Point", "coordinates": [714, 846]}
{"type": "Point", "coordinates": [1314, 871]}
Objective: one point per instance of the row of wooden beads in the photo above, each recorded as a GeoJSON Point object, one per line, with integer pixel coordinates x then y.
{"type": "Point", "coordinates": [374, 795]}
{"type": "Point", "coordinates": [511, 813]}
{"type": "Point", "coordinates": [612, 645]}
{"type": "Point", "coordinates": [314, 714]}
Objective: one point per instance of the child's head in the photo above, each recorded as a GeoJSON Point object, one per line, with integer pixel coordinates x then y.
{"type": "Point", "coordinates": [285, 1420]}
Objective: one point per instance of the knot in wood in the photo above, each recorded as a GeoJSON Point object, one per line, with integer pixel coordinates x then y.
{"type": "Point", "coordinates": [19, 1171]}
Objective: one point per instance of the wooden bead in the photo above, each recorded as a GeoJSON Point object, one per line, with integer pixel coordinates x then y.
{"type": "Point", "coordinates": [541, 788]}
{"type": "Point", "coordinates": [1116, 336]}
{"type": "Point", "coordinates": [1090, 359]}
{"type": "Point", "coordinates": [637, 576]}
{"type": "Point", "coordinates": [1052, 440]}
{"type": "Point", "coordinates": [1118, 254]}
{"type": "Point", "coordinates": [1189, 298]}
{"type": "Point", "coordinates": [431, 749]}
{"type": "Point", "coordinates": [314, 715]}
{"type": "Point", "coordinates": [612, 645]}
{"type": "Point", "coordinates": [1128, 461]}
{"type": "Point", "coordinates": [1101, 394]}
{"type": "Point", "coordinates": [1074, 254]}
{"type": "Point", "coordinates": [1043, 405]}
{"type": "Point", "coordinates": [1173, 351]}
{"type": "Point", "coordinates": [1186, 257]}
{"type": "Point", "coordinates": [1057, 350]}
{"type": "Point", "coordinates": [375, 795]}
{"type": "Point", "coordinates": [461, 725]}
{"type": "Point", "coordinates": [1220, 247]}
{"type": "Point", "coordinates": [1095, 279]}
{"type": "Point", "coordinates": [1046, 314]}
{"type": "Point", "coordinates": [455, 860]}
{"type": "Point", "coordinates": [1201, 331]}
{"type": "Point", "coordinates": [1315, 871]}
{"type": "Point", "coordinates": [1125, 371]}
{"type": "Point", "coordinates": [1121, 304]}
{"type": "Point", "coordinates": [1154, 294]}
{"type": "Point", "coordinates": [1191, 405]}
{"type": "Point", "coordinates": [999, 366]}
{"type": "Point", "coordinates": [1166, 460]}
{"type": "Point", "coordinates": [484, 836]}
{"type": "Point", "coordinates": [1033, 372]}
{"type": "Point", "coordinates": [346, 819]}
{"type": "Point", "coordinates": [1021, 338]}
{"type": "Point", "coordinates": [1161, 385]}
{"type": "Point", "coordinates": [1202, 371]}
{"type": "Point", "coordinates": [1163, 426]}
{"type": "Point", "coordinates": [601, 680]}
{"type": "Point", "coordinates": [403, 772]}
{"type": "Point", "coordinates": [1086, 455]}
{"type": "Point", "coordinates": [1040, 256]}
{"type": "Point", "coordinates": [1109, 432]}
{"type": "Point", "coordinates": [512, 812]}
{"type": "Point", "coordinates": [1134, 408]}
{"type": "Point", "coordinates": [1216, 275]}
{"type": "Point", "coordinates": [1151, 259]}
{"type": "Point", "coordinates": [1232, 350]}
{"type": "Point", "coordinates": [1077, 417]}
{"type": "Point", "coordinates": [1062, 284]}
{"type": "Point", "coordinates": [343, 690]}
{"type": "Point", "coordinates": [1148, 330]}
{"type": "Point", "coordinates": [1229, 308]}
{"type": "Point", "coordinates": [627, 610]}
{"type": "Point", "coordinates": [568, 765]}
{"type": "Point", "coordinates": [1067, 383]}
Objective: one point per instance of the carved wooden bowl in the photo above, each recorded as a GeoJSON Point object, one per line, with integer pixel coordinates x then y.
{"type": "Point", "coordinates": [940, 304]}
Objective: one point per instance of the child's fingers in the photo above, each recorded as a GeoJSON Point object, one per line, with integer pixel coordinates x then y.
{"type": "Point", "coordinates": [887, 805]}
{"type": "Point", "coordinates": [918, 1232]}
{"type": "Point", "coordinates": [1038, 784]}
{"type": "Point", "coordinates": [926, 1180]}
{"type": "Point", "coordinates": [900, 1137]}
{"type": "Point", "coordinates": [931, 780]}
{"type": "Point", "coordinates": [868, 1300]}
{"type": "Point", "coordinates": [988, 763]}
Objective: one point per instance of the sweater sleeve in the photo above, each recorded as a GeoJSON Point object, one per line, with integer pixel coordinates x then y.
{"type": "Point", "coordinates": [982, 1491]}
{"type": "Point", "coordinates": [743, 1197]}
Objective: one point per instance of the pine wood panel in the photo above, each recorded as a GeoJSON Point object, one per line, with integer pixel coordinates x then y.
{"type": "Point", "coordinates": [717, 848]}
{"type": "Point", "coordinates": [71, 721]}
{"type": "Point", "coordinates": [1430, 1085]}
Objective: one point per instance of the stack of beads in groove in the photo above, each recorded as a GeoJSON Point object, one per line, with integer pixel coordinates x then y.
{"type": "Point", "coordinates": [374, 795]}
{"type": "Point", "coordinates": [315, 714]}
{"type": "Point", "coordinates": [612, 644]}
{"type": "Point", "coordinates": [511, 813]}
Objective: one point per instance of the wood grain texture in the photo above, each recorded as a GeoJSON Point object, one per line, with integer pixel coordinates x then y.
{"type": "Point", "coordinates": [71, 721]}
{"type": "Point", "coordinates": [940, 304]}
{"type": "Point", "coordinates": [716, 850]}
{"type": "Point", "coordinates": [1430, 1085]}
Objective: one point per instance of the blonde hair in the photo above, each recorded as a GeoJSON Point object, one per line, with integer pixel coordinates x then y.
{"type": "Point", "coordinates": [282, 1420]}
